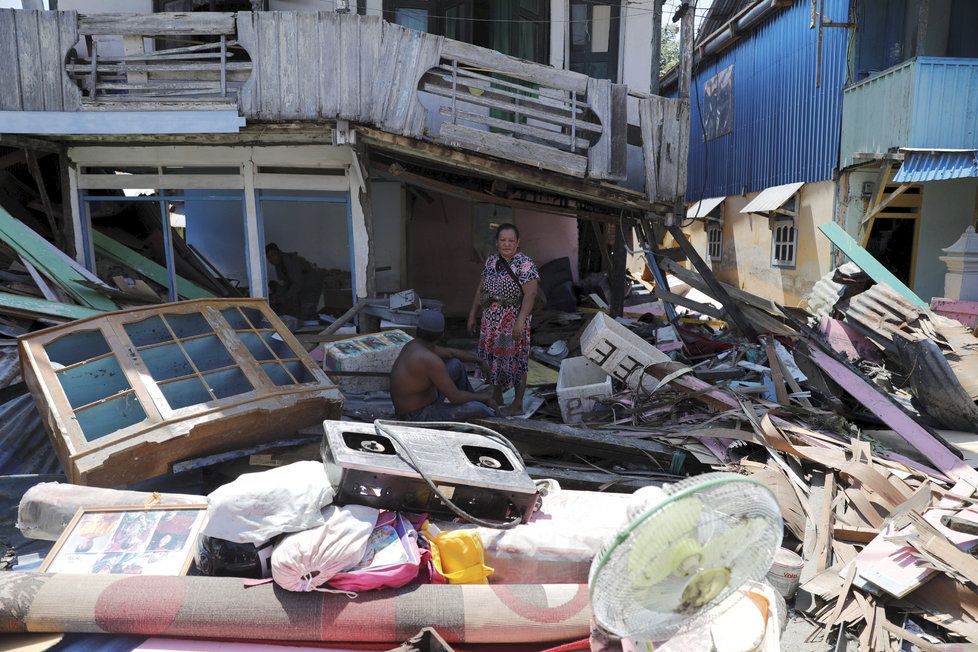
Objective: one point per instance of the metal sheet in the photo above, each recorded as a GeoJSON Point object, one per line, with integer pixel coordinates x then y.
{"type": "Point", "coordinates": [924, 102]}
{"type": "Point", "coordinates": [703, 207]}
{"type": "Point", "coordinates": [785, 126]}
{"type": "Point", "coordinates": [771, 199]}
{"type": "Point", "coordinates": [937, 165]}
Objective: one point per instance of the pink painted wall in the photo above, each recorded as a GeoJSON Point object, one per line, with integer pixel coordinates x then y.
{"type": "Point", "coordinates": [442, 262]}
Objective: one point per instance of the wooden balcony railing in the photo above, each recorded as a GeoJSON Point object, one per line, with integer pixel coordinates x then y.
{"type": "Point", "coordinates": [287, 66]}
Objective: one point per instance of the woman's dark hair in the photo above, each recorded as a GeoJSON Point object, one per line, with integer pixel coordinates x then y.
{"type": "Point", "coordinates": [506, 226]}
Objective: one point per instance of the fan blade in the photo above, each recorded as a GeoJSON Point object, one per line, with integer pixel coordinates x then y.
{"type": "Point", "coordinates": [664, 542]}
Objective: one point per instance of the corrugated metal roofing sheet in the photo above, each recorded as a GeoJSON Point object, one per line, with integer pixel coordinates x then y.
{"type": "Point", "coordinates": [703, 207]}
{"type": "Point", "coordinates": [785, 126]}
{"type": "Point", "coordinates": [937, 165]}
{"type": "Point", "coordinates": [771, 199]}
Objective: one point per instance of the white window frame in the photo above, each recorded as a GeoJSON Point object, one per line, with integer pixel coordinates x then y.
{"type": "Point", "coordinates": [711, 246]}
{"type": "Point", "coordinates": [784, 240]}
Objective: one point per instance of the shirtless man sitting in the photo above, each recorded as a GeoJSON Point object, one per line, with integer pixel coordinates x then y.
{"type": "Point", "coordinates": [429, 382]}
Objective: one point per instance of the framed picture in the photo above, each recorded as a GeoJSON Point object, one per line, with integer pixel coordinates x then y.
{"type": "Point", "coordinates": [154, 540]}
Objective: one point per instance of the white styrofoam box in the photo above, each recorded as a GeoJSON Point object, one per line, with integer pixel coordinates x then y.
{"type": "Point", "coordinates": [580, 384]}
{"type": "Point", "coordinates": [620, 352]}
{"type": "Point", "coordinates": [373, 352]}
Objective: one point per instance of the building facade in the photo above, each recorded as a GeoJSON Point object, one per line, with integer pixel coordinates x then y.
{"type": "Point", "coordinates": [373, 148]}
{"type": "Point", "coordinates": [862, 114]}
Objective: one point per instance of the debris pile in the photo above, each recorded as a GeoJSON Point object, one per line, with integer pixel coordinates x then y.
{"type": "Point", "coordinates": [859, 412]}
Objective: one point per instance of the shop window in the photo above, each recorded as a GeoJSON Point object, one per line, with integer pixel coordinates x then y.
{"type": "Point", "coordinates": [594, 33]}
{"type": "Point", "coordinates": [784, 243]}
{"type": "Point", "coordinates": [718, 104]}
{"type": "Point", "coordinates": [714, 239]}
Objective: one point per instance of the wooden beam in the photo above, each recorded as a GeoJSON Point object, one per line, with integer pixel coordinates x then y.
{"type": "Point", "coordinates": [602, 241]}
{"type": "Point", "coordinates": [880, 207]}
{"type": "Point", "coordinates": [42, 190]}
{"type": "Point", "coordinates": [563, 185]}
{"type": "Point", "coordinates": [27, 142]}
{"type": "Point", "coordinates": [453, 190]}
{"type": "Point", "coordinates": [344, 318]}
{"type": "Point", "coordinates": [716, 289]}
{"type": "Point", "coordinates": [618, 272]}
{"type": "Point", "coordinates": [31, 307]}
{"type": "Point", "coordinates": [169, 23]}
{"type": "Point", "coordinates": [148, 268]}
{"type": "Point", "coordinates": [679, 300]}
{"type": "Point", "coordinates": [656, 46]}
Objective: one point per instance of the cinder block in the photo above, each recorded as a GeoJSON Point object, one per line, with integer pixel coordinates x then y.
{"type": "Point", "coordinates": [373, 352]}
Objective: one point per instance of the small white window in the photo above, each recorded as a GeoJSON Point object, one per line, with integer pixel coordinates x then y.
{"type": "Point", "coordinates": [784, 243]}
{"type": "Point", "coordinates": [714, 240]}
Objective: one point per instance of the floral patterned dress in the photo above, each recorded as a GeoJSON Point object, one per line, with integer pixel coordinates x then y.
{"type": "Point", "coordinates": [507, 357]}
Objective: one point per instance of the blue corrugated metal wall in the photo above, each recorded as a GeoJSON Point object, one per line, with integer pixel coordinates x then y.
{"type": "Point", "coordinates": [784, 128]}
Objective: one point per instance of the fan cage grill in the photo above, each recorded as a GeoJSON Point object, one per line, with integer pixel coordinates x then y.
{"type": "Point", "coordinates": [738, 515]}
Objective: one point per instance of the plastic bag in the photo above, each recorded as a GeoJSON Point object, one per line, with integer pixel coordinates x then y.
{"type": "Point", "coordinates": [392, 558]}
{"type": "Point", "coordinates": [458, 555]}
{"type": "Point", "coordinates": [304, 561]}
{"type": "Point", "coordinates": [258, 506]}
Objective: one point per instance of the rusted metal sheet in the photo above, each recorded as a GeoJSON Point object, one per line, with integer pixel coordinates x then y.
{"type": "Point", "coordinates": [126, 394]}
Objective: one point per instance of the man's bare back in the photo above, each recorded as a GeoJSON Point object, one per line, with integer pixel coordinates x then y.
{"type": "Point", "coordinates": [412, 386]}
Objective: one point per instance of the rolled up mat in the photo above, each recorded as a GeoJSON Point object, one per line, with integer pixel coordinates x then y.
{"type": "Point", "coordinates": [222, 607]}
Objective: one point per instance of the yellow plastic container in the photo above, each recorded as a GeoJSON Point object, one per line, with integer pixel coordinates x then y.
{"type": "Point", "coordinates": [458, 555]}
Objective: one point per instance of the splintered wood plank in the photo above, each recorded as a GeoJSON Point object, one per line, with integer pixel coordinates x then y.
{"type": "Point", "coordinates": [650, 120]}
{"type": "Point", "coordinates": [905, 426]}
{"type": "Point", "coordinates": [865, 261]}
{"type": "Point", "coordinates": [10, 97]}
{"type": "Point", "coordinates": [250, 94]}
{"type": "Point", "coordinates": [599, 155]}
{"type": "Point", "coordinates": [349, 58]}
{"type": "Point", "coordinates": [29, 60]}
{"type": "Point", "coordinates": [428, 57]}
{"type": "Point", "coordinates": [403, 88]}
{"type": "Point", "coordinates": [382, 81]}
{"type": "Point", "coordinates": [509, 148]}
{"type": "Point", "coordinates": [52, 62]}
{"type": "Point", "coordinates": [268, 64]}
{"type": "Point", "coordinates": [175, 23]}
{"type": "Point", "coordinates": [306, 46]}
{"type": "Point", "coordinates": [511, 66]}
{"type": "Point", "coordinates": [371, 42]}
{"type": "Point", "coordinates": [15, 304]}
{"type": "Point", "coordinates": [618, 127]}
{"type": "Point", "coordinates": [329, 62]}
{"type": "Point", "coordinates": [289, 58]}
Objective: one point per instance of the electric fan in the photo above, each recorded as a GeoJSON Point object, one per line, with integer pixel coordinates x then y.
{"type": "Point", "coordinates": [685, 550]}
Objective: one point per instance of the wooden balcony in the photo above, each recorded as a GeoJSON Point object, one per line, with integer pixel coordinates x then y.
{"type": "Point", "coordinates": [319, 67]}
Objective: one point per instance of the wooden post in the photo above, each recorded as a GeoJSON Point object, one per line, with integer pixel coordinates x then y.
{"type": "Point", "coordinates": [42, 190]}
{"type": "Point", "coordinates": [656, 46]}
{"type": "Point", "coordinates": [618, 278]}
{"type": "Point", "coordinates": [687, 38]}
{"type": "Point", "coordinates": [67, 223]}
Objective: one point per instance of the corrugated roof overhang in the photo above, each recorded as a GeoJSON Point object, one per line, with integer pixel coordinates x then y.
{"type": "Point", "coordinates": [703, 207]}
{"type": "Point", "coordinates": [937, 165]}
{"type": "Point", "coordinates": [771, 199]}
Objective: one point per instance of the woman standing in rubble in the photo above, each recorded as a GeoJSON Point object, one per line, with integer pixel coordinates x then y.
{"type": "Point", "coordinates": [506, 295]}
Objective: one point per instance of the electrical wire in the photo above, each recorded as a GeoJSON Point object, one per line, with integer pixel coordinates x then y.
{"type": "Point", "coordinates": [381, 428]}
